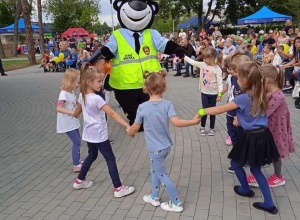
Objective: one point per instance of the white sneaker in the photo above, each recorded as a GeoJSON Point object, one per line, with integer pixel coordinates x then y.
{"type": "Point", "coordinates": [124, 191]}
{"type": "Point", "coordinates": [148, 198]}
{"type": "Point", "coordinates": [170, 207]}
{"type": "Point", "coordinates": [83, 185]}
{"type": "Point", "coordinates": [211, 132]}
{"type": "Point", "coordinates": [202, 131]}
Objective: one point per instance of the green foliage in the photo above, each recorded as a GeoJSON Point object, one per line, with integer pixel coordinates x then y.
{"type": "Point", "coordinates": [163, 25]}
{"type": "Point", "coordinates": [101, 29]}
{"type": "Point", "coordinates": [7, 13]}
{"type": "Point", "coordinates": [22, 38]}
{"type": "Point", "coordinates": [72, 13]}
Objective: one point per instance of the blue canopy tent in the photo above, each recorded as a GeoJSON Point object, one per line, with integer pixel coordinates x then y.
{"type": "Point", "coordinates": [193, 21]}
{"type": "Point", "coordinates": [263, 16]}
{"type": "Point", "coordinates": [21, 28]}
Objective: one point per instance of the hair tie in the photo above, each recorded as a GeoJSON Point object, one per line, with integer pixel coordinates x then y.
{"type": "Point", "coordinates": [89, 64]}
{"type": "Point", "coordinates": [147, 74]}
{"type": "Point", "coordinates": [249, 62]}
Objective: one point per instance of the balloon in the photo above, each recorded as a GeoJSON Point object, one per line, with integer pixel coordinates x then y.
{"type": "Point", "coordinates": [80, 44]}
{"type": "Point", "coordinates": [69, 62]}
{"type": "Point", "coordinates": [48, 46]}
{"type": "Point", "coordinates": [61, 56]}
{"type": "Point", "coordinates": [56, 59]}
{"type": "Point", "coordinates": [56, 53]}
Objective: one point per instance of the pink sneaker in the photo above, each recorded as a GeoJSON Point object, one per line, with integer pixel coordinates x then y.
{"type": "Point", "coordinates": [274, 181]}
{"type": "Point", "coordinates": [252, 181]}
{"type": "Point", "coordinates": [228, 141]}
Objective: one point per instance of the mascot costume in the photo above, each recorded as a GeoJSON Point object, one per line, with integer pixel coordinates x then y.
{"type": "Point", "coordinates": [134, 50]}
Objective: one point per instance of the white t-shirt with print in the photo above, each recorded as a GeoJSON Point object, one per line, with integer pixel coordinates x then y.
{"type": "Point", "coordinates": [94, 121]}
{"type": "Point", "coordinates": [228, 82]}
{"type": "Point", "coordinates": [66, 122]}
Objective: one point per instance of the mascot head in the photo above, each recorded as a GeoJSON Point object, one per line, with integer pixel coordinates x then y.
{"type": "Point", "coordinates": [136, 15]}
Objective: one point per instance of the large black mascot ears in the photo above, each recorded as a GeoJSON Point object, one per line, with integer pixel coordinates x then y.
{"type": "Point", "coordinates": [136, 15]}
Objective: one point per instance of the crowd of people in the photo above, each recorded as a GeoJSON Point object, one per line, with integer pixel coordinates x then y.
{"type": "Point", "coordinates": [76, 51]}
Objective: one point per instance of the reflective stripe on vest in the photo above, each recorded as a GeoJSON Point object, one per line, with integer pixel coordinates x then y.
{"type": "Point", "coordinates": [127, 71]}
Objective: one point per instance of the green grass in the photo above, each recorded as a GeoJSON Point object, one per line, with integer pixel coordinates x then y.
{"type": "Point", "coordinates": [10, 65]}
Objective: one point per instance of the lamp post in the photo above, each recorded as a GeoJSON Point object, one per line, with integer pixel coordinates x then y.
{"type": "Point", "coordinates": [112, 17]}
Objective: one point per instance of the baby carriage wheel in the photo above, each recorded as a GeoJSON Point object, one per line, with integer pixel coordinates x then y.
{"type": "Point", "coordinates": [297, 103]}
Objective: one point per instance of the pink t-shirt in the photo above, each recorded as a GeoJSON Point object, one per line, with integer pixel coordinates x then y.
{"type": "Point", "coordinates": [279, 123]}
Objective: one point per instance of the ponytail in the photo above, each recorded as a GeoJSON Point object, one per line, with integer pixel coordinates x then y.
{"type": "Point", "coordinates": [275, 74]}
{"type": "Point", "coordinates": [280, 77]}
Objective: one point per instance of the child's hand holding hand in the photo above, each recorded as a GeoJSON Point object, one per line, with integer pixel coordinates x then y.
{"type": "Point", "coordinates": [197, 116]}
{"type": "Point", "coordinates": [219, 99]}
{"type": "Point", "coordinates": [127, 130]}
{"type": "Point", "coordinates": [235, 122]}
{"type": "Point", "coordinates": [197, 120]}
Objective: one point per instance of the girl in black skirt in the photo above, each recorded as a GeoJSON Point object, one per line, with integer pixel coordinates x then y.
{"type": "Point", "coordinates": [255, 146]}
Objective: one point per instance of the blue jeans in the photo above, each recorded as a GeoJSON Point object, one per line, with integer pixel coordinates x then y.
{"type": "Point", "coordinates": [208, 101]}
{"type": "Point", "coordinates": [78, 65]}
{"type": "Point", "coordinates": [75, 138]}
{"type": "Point", "coordinates": [160, 176]}
{"type": "Point", "coordinates": [298, 75]}
{"type": "Point", "coordinates": [61, 66]}
{"type": "Point", "coordinates": [106, 151]}
{"type": "Point", "coordinates": [233, 132]}
{"type": "Point", "coordinates": [187, 66]}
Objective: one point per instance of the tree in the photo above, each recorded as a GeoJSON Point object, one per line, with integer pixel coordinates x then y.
{"type": "Point", "coordinates": [2, 53]}
{"type": "Point", "coordinates": [6, 13]}
{"type": "Point", "coordinates": [29, 37]}
{"type": "Point", "coordinates": [41, 31]}
{"type": "Point", "coordinates": [175, 8]}
{"type": "Point", "coordinates": [68, 13]}
{"type": "Point", "coordinates": [88, 19]}
{"type": "Point", "coordinates": [16, 24]}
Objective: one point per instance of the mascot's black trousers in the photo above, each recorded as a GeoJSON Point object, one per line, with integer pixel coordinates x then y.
{"type": "Point", "coordinates": [130, 100]}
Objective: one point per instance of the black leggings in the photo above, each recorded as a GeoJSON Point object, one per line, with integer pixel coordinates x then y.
{"type": "Point", "coordinates": [208, 101]}
{"type": "Point", "coordinates": [288, 73]}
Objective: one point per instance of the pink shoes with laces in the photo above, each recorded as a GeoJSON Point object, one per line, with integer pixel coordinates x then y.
{"type": "Point", "coordinates": [273, 181]}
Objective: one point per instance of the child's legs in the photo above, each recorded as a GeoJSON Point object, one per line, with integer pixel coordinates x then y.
{"type": "Point", "coordinates": [106, 150]}
{"type": "Point", "coordinates": [75, 138]}
{"type": "Point", "coordinates": [277, 168]}
{"type": "Point", "coordinates": [92, 156]}
{"type": "Point", "coordinates": [233, 132]}
{"type": "Point", "coordinates": [241, 175]}
{"type": "Point", "coordinates": [263, 185]}
{"type": "Point", "coordinates": [157, 166]}
{"type": "Point", "coordinates": [205, 104]}
{"type": "Point", "coordinates": [212, 103]}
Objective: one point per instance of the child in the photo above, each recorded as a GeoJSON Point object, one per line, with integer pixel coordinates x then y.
{"type": "Point", "coordinates": [74, 57]}
{"type": "Point", "coordinates": [95, 129]}
{"type": "Point", "coordinates": [66, 122]}
{"type": "Point", "coordinates": [278, 123]}
{"type": "Point", "coordinates": [51, 64]}
{"type": "Point", "coordinates": [256, 145]}
{"type": "Point", "coordinates": [210, 84]}
{"type": "Point", "coordinates": [155, 115]}
{"type": "Point", "coordinates": [83, 56]}
{"type": "Point", "coordinates": [45, 61]}
{"type": "Point", "coordinates": [268, 56]}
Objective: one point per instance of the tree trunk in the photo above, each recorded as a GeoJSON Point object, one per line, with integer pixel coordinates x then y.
{"type": "Point", "coordinates": [2, 53]}
{"type": "Point", "coordinates": [41, 31]}
{"type": "Point", "coordinates": [200, 13]}
{"type": "Point", "coordinates": [17, 17]}
{"type": "Point", "coordinates": [29, 37]}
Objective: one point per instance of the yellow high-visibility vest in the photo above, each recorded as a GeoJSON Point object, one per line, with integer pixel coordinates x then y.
{"type": "Point", "coordinates": [127, 71]}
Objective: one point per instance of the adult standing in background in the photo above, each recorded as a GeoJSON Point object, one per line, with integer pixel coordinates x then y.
{"type": "Point", "coordinates": [1, 69]}
{"type": "Point", "coordinates": [216, 33]}
{"type": "Point", "coordinates": [182, 34]}
{"type": "Point", "coordinates": [72, 42]}
{"type": "Point", "coordinates": [243, 30]}
{"type": "Point", "coordinates": [211, 30]}
{"type": "Point", "coordinates": [57, 41]}
{"type": "Point", "coordinates": [287, 27]}
{"type": "Point", "coordinates": [171, 35]}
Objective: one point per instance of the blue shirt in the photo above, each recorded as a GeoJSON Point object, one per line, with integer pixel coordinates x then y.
{"type": "Point", "coordinates": [233, 91]}
{"type": "Point", "coordinates": [66, 53]}
{"type": "Point", "coordinates": [158, 41]}
{"type": "Point", "coordinates": [156, 115]}
{"type": "Point", "coordinates": [74, 57]}
{"type": "Point", "coordinates": [247, 121]}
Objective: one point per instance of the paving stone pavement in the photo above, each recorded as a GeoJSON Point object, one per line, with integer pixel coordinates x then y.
{"type": "Point", "coordinates": [36, 167]}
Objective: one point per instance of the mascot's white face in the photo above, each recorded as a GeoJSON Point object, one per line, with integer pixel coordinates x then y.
{"type": "Point", "coordinates": [136, 15]}
{"type": "Point", "coordinates": [136, 20]}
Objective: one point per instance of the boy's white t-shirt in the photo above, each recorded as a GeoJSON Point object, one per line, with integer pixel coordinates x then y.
{"type": "Point", "coordinates": [94, 124]}
{"type": "Point", "coordinates": [66, 122]}
{"type": "Point", "coordinates": [51, 56]}
{"type": "Point", "coordinates": [228, 82]}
